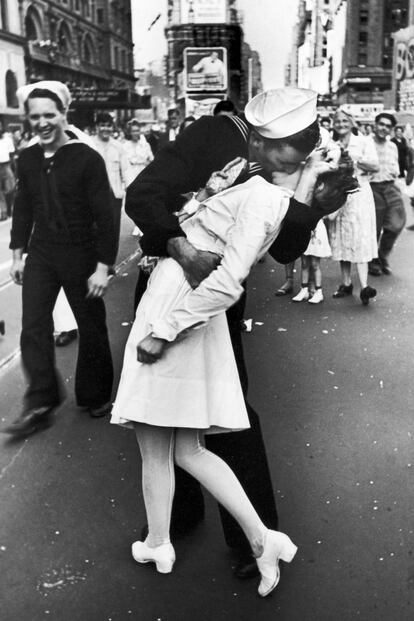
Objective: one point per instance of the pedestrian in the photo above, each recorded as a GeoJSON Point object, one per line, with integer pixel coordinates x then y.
{"type": "Point", "coordinates": [63, 219]}
{"type": "Point", "coordinates": [116, 163]}
{"type": "Point", "coordinates": [352, 232]}
{"type": "Point", "coordinates": [179, 384]}
{"type": "Point", "coordinates": [171, 131]}
{"type": "Point", "coordinates": [311, 265]}
{"type": "Point", "coordinates": [7, 179]}
{"type": "Point", "coordinates": [137, 150]}
{"type": "Point", "coordinates": [389, 204]}
{"type": "Point", "coordinates": [402, 147]}
{"type": "Point", "coordinates": [208, 145]}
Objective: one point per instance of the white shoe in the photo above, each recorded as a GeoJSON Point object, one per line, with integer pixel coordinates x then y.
{"type": "Point", "coordinates": [317, 297]}
{"type": "Point", "coordinates": [163, 556]}
{"type": "Point", "coordinates": [302, 295]}
{"type": "Point", "coordinates": [277, 546]}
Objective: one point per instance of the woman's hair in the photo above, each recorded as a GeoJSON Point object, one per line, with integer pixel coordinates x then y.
{"type": "Point", "coordinates": [304, 141]}
{"type": "Point", "coordinates": [353, 128]}
{"type": "Point", "coordinates": [44, 93]}
{"type": "Point", "coordinates": [104, 117]}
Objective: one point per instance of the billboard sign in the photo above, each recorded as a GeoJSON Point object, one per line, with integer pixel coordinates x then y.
{"type": "Point", "coordinates": [404, 69]}
{"type": "Point", "coordinates": [203, 11]}
{"type": "Point", "coordinates": [205, 69]}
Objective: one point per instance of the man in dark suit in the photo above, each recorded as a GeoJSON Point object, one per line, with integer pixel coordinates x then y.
{"type": "Point", "coordinates": [172, 130]}
{"type": "Point", "coordinates": [183, 166]}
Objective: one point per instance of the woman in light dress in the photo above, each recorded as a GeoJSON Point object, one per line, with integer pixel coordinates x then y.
{"type": "Point", "coordinates": [352, 231]}
{"type": "Point", "coordinates": [194, 388]}
{"type": "Point", "coordinates": [139, 154]}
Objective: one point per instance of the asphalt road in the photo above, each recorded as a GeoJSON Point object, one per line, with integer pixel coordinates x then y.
{"type": "Point", "coordinates": [333, 384]}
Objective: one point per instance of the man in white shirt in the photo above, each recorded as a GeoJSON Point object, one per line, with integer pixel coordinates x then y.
{"type": "Point", "coordinates": [389, 204]}
{"type": "Point", "coordinates": [7, 180]}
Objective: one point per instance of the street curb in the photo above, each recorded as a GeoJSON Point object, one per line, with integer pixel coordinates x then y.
{"type": "Point", "coordinates": [14, 355]}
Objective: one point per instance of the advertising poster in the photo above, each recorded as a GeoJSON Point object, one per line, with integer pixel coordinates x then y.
{"type": "Point", "coordinates": [201, 105]}
{"type": "Point", "coordinates": [203, 11]}
{"type": "Point", "coordinates": [205, 69]}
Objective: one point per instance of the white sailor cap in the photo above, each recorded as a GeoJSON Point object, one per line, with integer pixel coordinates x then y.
{"type": "Point", "coordinates": [282, 112]}
{"type": "Point", "coordinates": [56, 87]}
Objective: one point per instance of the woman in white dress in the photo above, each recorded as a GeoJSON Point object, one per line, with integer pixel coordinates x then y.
{"type": "Point", "coordinates": [194, 388]}
{"type": "Point", "coordinates": [352, 233]}
{"type": "Point", "coordinates": [138, 151]}
{"type": "Point", "coordinates": [139, 155]}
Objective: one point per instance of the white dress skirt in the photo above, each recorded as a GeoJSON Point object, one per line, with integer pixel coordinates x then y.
{"type": "Point", "coordinates": [319, 243]}
{"type": "Point", "coordinates": [195, 384]}
{"type": "Point", "coordinates": [353, 234]}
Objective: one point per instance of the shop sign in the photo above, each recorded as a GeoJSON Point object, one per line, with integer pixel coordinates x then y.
{"type": "Point", "coordinates": [203, 11]}
{"type": "Point", "coordinates": [205, 69]}
{"type": "Point", "coordinates": [97, 97]}
{"type": "Point", "coordinates": [364, 111]}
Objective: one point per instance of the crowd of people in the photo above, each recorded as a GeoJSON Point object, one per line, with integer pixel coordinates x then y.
{"type": "Point", "coordinates": [362, 232]}
{"type": "Point", "coordinates": [209, 200]}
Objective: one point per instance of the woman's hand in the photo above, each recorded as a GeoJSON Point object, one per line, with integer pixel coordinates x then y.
{"type": "Point", "coordinates": [150, 349]}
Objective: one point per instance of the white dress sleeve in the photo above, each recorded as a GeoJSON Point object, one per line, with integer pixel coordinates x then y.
{"type": "Point", "coordinates": [223, 287]}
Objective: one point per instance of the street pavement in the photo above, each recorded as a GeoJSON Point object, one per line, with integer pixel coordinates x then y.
{"type": "Point", "coordinates": [333, 385]}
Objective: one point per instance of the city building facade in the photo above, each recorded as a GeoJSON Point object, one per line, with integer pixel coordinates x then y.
{"type": "Point", "coordinates": [12, 66]}
{"type": "Point", "coordinates": [344, 50]}
{"type": "Point", "coordinates": [200, 36]}
{"type": "Point", "coordinates": [87, 44]}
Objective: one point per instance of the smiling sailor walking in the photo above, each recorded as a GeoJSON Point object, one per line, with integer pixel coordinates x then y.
{"type": "Point", "coordinates": [63, 219]}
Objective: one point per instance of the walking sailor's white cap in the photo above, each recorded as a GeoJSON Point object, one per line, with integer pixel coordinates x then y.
{"type": "Point", "coordinates": [56, 87]}
{"type": "Point", "coordinates": [282, 112]}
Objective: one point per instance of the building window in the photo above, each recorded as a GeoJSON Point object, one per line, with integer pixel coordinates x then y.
{"type": "Point", "coordinates": [88, 50]}
{"type": "Point", "coordinates": [11, 90]}
{"type": "Point", "coordinates": [100, 16]}
{"type": "Point", "coordinates": [363, 37]}
{"type": "Point", "coordinates": [64, 39]}
{"type": "Point", "coordinates": [32, 25]}
{"type": "Point", "coordinates": [4, 18]}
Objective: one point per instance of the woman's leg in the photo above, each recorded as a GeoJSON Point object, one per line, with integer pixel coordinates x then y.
{"type": "Point", "coordinates": [366, 292]}
{"type": "Point", "coordinates": [305, 270]}
{"type": "Point", "coordinates": [316, 267]}
{"type": "Point", "coordinates": [362, 269]}
{"type": "Point", "coordinates": [346, 272]}
{"type": "Point", "coordinates": [304, 290]}
{"type": "Point", "coordinates": [218, 478]}
{"type": "Point", "coordinates": [288, 284]}
{"type": "Point", "coordinates": [156, 445]}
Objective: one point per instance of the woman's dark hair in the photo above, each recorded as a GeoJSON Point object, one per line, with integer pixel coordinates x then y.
{"type": "Point", "coordinates": [226, 105]}
{"type": "Point", "coordinates": [386, 115]}
{"type": "Point", "coordinates": [104, 117]}
{"type": "Point", "coordinates": [304, 141]}
{"type": "Point", "coordinates": [44, 93]}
